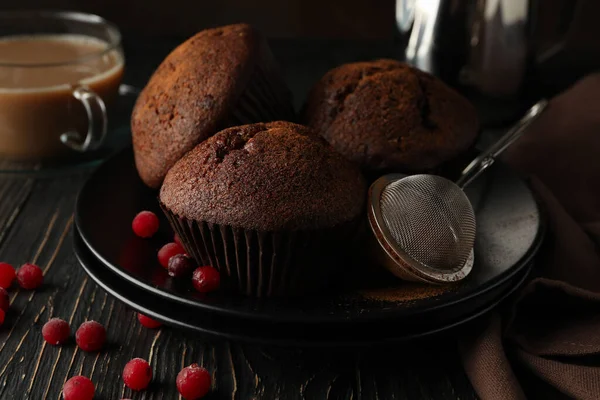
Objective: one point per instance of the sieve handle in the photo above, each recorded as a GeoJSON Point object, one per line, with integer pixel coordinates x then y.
{"type": "Point", "coordinates": [487, 157]}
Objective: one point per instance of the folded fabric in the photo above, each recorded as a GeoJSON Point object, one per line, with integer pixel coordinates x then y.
{"type": "Point", "coordinates": [546, 343]}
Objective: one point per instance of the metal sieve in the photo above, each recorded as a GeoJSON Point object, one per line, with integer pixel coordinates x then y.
{"type": "Point", "coordinates": [425, 224]}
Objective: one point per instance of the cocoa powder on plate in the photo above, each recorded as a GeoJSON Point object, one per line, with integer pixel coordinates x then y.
{"type": "Point", "coordinates": [406, 292]}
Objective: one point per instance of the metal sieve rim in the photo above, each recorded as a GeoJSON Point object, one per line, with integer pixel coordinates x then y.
{"type": "Point", "coordinates": [403, 265]}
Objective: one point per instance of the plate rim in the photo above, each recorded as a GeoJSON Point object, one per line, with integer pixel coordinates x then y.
{"type": "Point", "coordinates": [307, 343]}
{"type": "Point", "coordinates": [362, 317]}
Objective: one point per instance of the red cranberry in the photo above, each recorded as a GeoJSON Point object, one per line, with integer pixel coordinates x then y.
{"type": "Point", "coordinates": [193, 382]}
{"type": "Point", "coordinates": [2, 315]}
{"type": "Point", "coordinates": [4, 300]}
{"type": "Point", "coordinates": [78, 388]}
{"type": "Point", "coordinates": [7, 275]}
{"type": "Point", "coordinates": [56, 331]}
{"type": "Point", "coordinates": [145, 224]}
{"type": "Point", "coordinates": [90, 336]}
{"type": "Point", "coordinates": [137, 374]}
{"type": "Point", "coordinates": [180, 265]}
{"type": "Point", "coordinates": [177, 240]}
{"type": "Point", "coordinates": [30, 276]}
{"type": "Point", "coordinates": [167, 251]}
{"type": "Point", "coordinates": [206, 279]}
{"type": "Point", "coordinates": [148, 322]}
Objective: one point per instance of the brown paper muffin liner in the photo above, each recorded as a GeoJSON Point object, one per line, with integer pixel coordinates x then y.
{"type": "Point", "coordinates": [266, 97]}
{"type": "Point", "coordinates": [265, 264]}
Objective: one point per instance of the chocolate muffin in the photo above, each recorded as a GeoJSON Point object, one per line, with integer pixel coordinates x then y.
{"type": "Point", "coordinates": [218, 78]}
{"type": "Point", "coordinates": [270, 205]}
{"type": "Point", "coordinates": [388, 116]}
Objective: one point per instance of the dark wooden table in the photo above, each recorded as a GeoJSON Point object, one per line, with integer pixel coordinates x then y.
{"type": "Point", "coordinates": [36, 221]}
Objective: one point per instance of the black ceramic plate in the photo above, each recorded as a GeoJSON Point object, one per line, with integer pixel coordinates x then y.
{"type": "Point", "coordinates": [509, 232]}
{"type": "Point", "coordinates": [282, 333]}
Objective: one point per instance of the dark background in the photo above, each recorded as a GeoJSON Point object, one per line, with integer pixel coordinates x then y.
{"type": "Point", "coordinates": [350, 19]}
{"type": "Point", "coordinates": [576, 22]}
{"type": "Point", "coordinates": [366, 19]}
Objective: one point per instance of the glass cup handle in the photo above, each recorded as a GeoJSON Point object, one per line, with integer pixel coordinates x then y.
{"type": "Point", "coordinates": [97, 122]}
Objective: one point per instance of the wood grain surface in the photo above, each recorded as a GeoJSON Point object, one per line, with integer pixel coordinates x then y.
{"type": "Point", "coordinates": [36, 220]}
{"type": "Point", "coordinates": [36, 226]}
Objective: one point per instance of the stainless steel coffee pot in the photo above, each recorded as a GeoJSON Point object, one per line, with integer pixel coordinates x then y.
{"type": "Point", "coordinates": [487, 45]}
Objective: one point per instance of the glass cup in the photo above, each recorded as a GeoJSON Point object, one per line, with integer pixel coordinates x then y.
{"type": "Point", "coordinates": [59, 73]}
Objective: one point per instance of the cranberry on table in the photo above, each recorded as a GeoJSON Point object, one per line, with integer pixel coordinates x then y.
{"type": "Point", "coordinates": [145, 224]}
{"type": "Point", "coordinates": [78, 388]}
{"type": "Point", "coordinates": [4, 300]}
{"type": "Point", "coordinates": [137, 374]}
{"type": "Point", "coordinates": [56, 331]}
{"type": "Point", "coordinates": [206, 279]}
{"type": "Point", "coordinates": [2, 315]}
{"type": "Point", "coordinates": [148, 322]}
{"type": "Point", "coordinates": [193, 382]}
{"type": "Point", "coordinates": [90, 336]}
{"type": "Point", "coordinates": [167, 251]}
{"type": "Point", "coordinates": [180, 265]}
{"type": "Point", "coordinates": [7, 275]}
{"type": "Point", "coordinates": [30, 276]}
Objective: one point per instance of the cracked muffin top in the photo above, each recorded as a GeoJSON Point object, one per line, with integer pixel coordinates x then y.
{"type": "Point", "coordinates": [193, 94]}
{"type": "Point", "coordinates": [265, 176]}
{"type": "Point", "coordinates": [387, 115]}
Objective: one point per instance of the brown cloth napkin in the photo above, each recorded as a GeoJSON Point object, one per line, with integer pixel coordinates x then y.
{"type": "Point", "coordinates": [546, 344]}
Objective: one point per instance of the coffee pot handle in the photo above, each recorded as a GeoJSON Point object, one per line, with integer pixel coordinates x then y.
{"type": "Point", "coordinates": [97, 122]}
